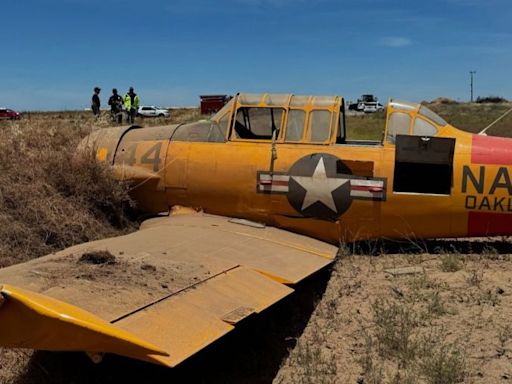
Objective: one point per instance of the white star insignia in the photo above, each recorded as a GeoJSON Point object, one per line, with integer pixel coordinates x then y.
{"type": "Point", "coordinates": [319, 187]}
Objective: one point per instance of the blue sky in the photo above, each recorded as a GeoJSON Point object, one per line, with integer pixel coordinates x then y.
{"type": "Point", "coordinates": [56, 51]}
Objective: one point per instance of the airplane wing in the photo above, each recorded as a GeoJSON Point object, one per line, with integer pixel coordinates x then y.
{"type": "Point", "coordinates": [160, 294]}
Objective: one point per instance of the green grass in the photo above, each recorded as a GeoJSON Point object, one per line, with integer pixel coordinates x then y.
{"type": "Point", "coordinates": [475, 117]}
{"type": "Point", "coordinates": [366, 126]}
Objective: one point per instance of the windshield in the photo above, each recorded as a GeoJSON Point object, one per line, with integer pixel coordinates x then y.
{"type": "Point", "coordinates": [422, 110]}
{"type": "Point", "coordinates": [406, 105]}
{"type": "Point", "coordinates": [432, 116]}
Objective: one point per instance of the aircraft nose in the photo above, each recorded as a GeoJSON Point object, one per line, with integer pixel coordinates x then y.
{"type": "Point", "coordinates": [138, 156]}
{"type": "Point", "coordinates": [103, 143]}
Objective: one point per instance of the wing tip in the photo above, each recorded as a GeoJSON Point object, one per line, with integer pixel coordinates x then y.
{"type": "Point", "coordinates": [60, 320]}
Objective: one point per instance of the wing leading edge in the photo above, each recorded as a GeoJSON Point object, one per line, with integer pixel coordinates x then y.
{"type": "Point", "coordinates": [166, 292]}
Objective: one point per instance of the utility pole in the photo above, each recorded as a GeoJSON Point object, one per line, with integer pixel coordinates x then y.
{"type": "Point", "coordinates": [471, 73]}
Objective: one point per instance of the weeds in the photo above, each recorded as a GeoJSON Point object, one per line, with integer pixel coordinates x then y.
{"type": "Point", "coordinates": [420, 353]}
{"type": "Point", "coordinates": [491, 253]}
{"type": "Point", "coordinates": [489, 297]}
{"type": "Point", "coordinates": [435, 306]}
{"type": "Point", "coordinates": [442, 363]}
{"type": "Point", "coordinates": [372, 369]}
{"type": "Point", "coordinates": [394, 327]}
{"type": "Point", "coordinates": [451, 263]}
{"type": "Point", "coordinates": [315, 367]}
{"type": "Point", "coordinates": [404, 377]}
{"type": "Point", "coordinates": [505, 333]}
{"type": "Point", "coordinates": [423, 282]}
{"type": "Point", "coordinates": [475, 278]}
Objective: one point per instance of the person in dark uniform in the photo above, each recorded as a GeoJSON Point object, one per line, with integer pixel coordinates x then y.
{"type": "Point", "coordinates": [116, 106]}
{"type": "Point", "coordinates": [95, 102]}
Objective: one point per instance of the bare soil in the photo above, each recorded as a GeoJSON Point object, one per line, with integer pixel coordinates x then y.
{"type": "Point", "coordinates": [448, 324]}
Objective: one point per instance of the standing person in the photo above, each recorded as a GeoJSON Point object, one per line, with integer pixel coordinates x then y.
{"type": "Point", "coordinates": [131, 104]}
{"type": "Point", "coordinates": [116, 106]}
{"type": "Point", "coordinates": [95, 102]}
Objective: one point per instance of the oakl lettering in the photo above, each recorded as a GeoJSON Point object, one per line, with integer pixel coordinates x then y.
{"type": "Point", "coordinates": [498, 203]}
{"type": "Point", "coordinates": [470, 202]}
{"type": "Point", "coordinates": [485, 203]}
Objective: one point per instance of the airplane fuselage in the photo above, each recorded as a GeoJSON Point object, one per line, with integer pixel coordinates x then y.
{"type": "Point", "coordinates": [449, 184]}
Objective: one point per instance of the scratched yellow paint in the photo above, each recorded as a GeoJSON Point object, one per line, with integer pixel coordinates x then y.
{"type": "Point", "coordinates": [101, 154]}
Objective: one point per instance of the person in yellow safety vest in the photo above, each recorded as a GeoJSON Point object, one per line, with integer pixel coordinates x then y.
{"type": "Point", "coordinates": [131, 105]}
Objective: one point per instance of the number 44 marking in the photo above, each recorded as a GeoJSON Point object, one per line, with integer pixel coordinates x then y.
{"type": "Point", "coordinates": [152, 156]}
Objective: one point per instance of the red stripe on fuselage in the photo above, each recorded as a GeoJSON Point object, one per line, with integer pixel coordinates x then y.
{"type": "Point", "coordinates": [491, 150]}
{"type": "Point", "coordinates": [489, 224]}
{"type": "Point", "coordinates": [366, 188]}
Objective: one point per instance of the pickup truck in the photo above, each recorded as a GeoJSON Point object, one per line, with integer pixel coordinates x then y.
{"type": "Point", "coordinates": [367, 104]}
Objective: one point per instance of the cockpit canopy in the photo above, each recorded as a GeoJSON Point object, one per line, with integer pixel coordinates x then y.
{"type": "Point", "coordinates": [288, 118]}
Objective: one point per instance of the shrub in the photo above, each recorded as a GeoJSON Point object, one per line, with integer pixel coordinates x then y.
{"type": "Point", "coordinates": [395, 323]}
{"type": "Point", "coordinates": [491, 99]}
{"type": "Point", "coordinates": [451, 263]}
{"type": "Point", "coordinates": [50, 197]}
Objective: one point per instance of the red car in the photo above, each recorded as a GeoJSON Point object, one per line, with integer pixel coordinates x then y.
{"type": "Point", "coordinates": [6, 113]}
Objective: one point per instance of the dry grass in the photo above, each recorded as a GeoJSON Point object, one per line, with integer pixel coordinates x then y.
{"type": "Point", "coordinates": [50, 196]}
{"type": "Point", "coordinates": [451, 263]}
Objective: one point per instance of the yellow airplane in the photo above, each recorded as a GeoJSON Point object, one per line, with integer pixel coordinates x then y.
{"type": "Point", "coordinates": [255, 200]}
